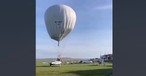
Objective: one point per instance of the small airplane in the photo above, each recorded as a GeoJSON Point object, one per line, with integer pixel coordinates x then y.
{"type": "Point", "coordinates": [55, 63]}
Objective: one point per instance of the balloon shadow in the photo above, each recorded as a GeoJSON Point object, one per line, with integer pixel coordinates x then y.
{"type": "Point", "coordinates": [96, 72]}
{"type": "Point", "coordinates": [47, 66]}
{"type": "Point", "coordinates": [43, 66]}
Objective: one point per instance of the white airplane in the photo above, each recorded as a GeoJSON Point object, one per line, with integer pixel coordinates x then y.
{"type": "Point", "coordinates": [55, 63]}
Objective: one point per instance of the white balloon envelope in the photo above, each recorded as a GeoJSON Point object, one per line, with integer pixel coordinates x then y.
{"type": "Point", "coordinates": [60, 21]}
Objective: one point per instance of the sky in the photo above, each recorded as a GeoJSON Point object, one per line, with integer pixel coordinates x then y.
{"type": "Point", "coordinates": [92, 34]}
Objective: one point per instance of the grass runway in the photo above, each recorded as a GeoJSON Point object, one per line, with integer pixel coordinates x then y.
{"type": "Point", "coordinates": [73, 70]}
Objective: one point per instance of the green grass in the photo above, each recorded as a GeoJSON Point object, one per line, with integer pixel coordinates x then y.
{"type": "Point", "coordinates": [73, 70]}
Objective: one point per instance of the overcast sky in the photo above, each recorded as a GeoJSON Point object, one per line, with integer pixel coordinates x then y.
{"type": "Point", "coordinates": [91, 37]}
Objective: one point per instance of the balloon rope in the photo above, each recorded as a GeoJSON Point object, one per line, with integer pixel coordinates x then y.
{"type": "Point", "coordinates": [59, 53]}
{"type": "Point", "coordinates": [58, 43]}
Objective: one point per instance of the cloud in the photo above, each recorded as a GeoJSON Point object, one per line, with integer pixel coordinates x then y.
{"type": "Point", "coordinates": [105, 7]}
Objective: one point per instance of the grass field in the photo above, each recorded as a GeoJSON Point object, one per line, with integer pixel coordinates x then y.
{"type": "Point", "coordinates": [73, 70]}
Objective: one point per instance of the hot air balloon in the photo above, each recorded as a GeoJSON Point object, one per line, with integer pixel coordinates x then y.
{"type": "Point", "coordinates": [60, 21]}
